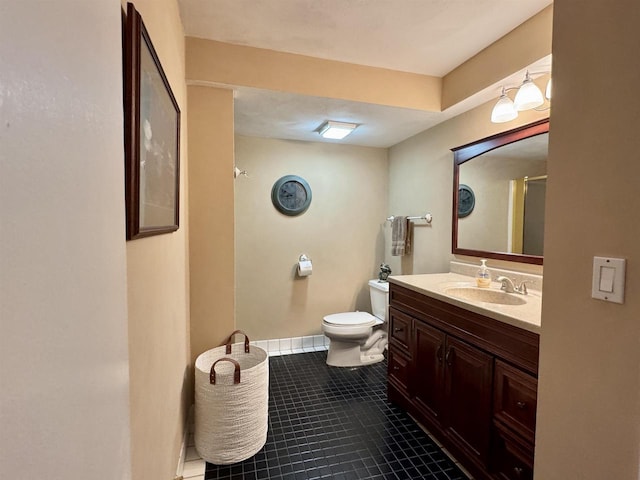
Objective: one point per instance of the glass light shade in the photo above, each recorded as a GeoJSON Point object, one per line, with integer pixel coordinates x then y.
{"type": "Point", "coordinates": [529, 96]}
{"type": "Point", "coordinates": [504, 110]}
{"type": "Point", "coordinates": [336, 130]}
{"type": "Point", "coordinates": [547, 92]}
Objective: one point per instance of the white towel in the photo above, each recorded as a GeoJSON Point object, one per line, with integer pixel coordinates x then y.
{"type": "Point", "coordinates": [400, 236]}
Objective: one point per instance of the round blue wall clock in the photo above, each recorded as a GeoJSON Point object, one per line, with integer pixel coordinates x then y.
{"type": "Point", "coordinates": [291, 195]}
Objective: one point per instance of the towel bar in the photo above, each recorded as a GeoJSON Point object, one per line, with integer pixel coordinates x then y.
{"type": "Point", "coordinates": [426, 217]}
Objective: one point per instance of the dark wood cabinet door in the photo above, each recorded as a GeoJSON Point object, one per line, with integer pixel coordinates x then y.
{"type": "Point", "coordinates": [428, 376]}
{"type": "Point", "coordinates": [468, 387]}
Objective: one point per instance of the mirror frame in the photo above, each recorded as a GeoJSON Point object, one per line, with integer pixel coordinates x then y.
{"type": "Point", "coordinates": [465, 153]}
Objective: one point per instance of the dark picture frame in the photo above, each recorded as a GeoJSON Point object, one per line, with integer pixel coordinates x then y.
{"type": "Point", "coordinates": [152, 137]}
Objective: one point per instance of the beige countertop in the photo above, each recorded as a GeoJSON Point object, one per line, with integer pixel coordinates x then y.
{"type": "Point", "coordinates": [526, 316]}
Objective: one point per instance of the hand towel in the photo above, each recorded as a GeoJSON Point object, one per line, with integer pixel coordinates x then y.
{"type": "Point", "coordinates": [400, 236]}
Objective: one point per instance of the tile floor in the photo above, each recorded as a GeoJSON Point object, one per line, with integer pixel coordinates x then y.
{"type": "Point", "coordinates": [334, 423]}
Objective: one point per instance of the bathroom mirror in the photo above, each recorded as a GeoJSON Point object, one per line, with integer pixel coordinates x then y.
{"type": "Point", "coordinates": [506, 174]}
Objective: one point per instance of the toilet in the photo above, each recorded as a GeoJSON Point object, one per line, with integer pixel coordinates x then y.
{"type": "Point", "coordinates": [359, 338]}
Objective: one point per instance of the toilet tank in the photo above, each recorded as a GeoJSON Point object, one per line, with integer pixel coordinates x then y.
{"type": "Point", "coordinates": [379, 299]}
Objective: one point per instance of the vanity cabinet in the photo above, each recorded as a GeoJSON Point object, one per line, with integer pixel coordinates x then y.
{"type": "Point", "coordinates": [454, 387]}
{"type": "Point", "coordinates": [469, 379]}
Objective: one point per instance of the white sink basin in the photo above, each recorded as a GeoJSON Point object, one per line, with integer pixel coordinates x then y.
{"type": "Point", "coordinates": [487, 295]}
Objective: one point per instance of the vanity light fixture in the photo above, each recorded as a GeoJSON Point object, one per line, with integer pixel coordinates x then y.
{"type": "Point", "coordinates": [528, 97]}
{"type": "Point", "coordinates": [336, 130]}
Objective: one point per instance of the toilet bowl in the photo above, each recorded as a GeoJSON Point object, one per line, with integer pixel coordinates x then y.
{"type": "Point", "coordinates": [359, 338]}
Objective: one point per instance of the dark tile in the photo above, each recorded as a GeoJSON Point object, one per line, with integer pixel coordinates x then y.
{"type": "Point", "coordinates": [335, 423]}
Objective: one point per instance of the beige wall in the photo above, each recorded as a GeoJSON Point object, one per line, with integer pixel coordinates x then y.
{"type": "Point", "coordinates": [222, 63]}
{"type": "Point", "coordinates": [158, 285]}
{"type": "Point", "coordinates": [63, 288]}
{"type": "Point", "coordinates": [421, 180]}
{"type": "Point", "coordinates": [211, 206]}
{"type": "Point", "coordinates": [342, 232]}
{"type": "Point", "coordinates": [589, 404]}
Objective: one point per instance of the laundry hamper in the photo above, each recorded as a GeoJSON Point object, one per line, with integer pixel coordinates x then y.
{"type": "Point", "coordinates": [231, 401]}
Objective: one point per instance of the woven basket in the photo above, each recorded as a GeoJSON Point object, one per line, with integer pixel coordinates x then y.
{"type": "Point", "coordinates": [231, 402]}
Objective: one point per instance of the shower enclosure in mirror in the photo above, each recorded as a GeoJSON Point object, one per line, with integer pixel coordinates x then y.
{"type": "Point", "coordinates": [507, 173]}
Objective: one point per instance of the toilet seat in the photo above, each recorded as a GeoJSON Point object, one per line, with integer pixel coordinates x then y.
{"type": "Point", "coordinates": [352, 319]}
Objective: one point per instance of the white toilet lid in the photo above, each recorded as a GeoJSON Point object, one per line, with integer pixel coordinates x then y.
{"type": "Point", "coordinates": [351, 318]}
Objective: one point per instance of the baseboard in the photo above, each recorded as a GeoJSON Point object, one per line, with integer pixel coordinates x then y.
{"type": "Point", "coordinates": [287, 346]}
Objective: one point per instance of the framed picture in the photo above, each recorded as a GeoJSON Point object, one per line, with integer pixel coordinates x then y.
{"type": "Point", "coordinates": [152, 136]}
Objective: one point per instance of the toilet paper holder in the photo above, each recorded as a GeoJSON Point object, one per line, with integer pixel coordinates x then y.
{"type": "Point", "coordinates": [304, 268]}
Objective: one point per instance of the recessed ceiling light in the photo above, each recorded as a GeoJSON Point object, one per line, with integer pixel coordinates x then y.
{"type": "Point", "coordinates": [336, 130]}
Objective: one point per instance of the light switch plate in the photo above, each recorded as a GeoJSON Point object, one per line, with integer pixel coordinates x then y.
{"type": "Point", "coordinates": [608, 279]}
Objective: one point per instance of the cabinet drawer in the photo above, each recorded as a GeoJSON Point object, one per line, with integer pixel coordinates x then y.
{"type": "Point", "coordinates": [400, 328]}
{"type": "Point", "coordinates": [515, 399]}
{"type": "Point", "coordinates": [398, 369]}
{"type": "Point", "coordinates": [511, 459]}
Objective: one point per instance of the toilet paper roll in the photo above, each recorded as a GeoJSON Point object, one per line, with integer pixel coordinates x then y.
{"type": "Point", "coordinates": [304, 268]}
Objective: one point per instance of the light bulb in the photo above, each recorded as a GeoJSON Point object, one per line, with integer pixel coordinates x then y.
{"type": "Point", "coordinates": [504, 110]}
{"type": "Point", "coordinates": [529, 95]}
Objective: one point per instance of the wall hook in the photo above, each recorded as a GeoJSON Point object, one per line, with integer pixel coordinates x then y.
{"type": "Point", "coordinates": [237, 172]}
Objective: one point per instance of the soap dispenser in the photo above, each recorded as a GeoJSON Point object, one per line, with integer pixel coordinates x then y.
{"type": "Point", "coordinates": [483, 276]}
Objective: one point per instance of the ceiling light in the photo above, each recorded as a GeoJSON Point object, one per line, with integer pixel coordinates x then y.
{"type": "Point", "coordinates": [336, 130]}
{"type": "Point", "coordinates": [529, 95]}
{"type": "Point", "coordinates": [504, 110]}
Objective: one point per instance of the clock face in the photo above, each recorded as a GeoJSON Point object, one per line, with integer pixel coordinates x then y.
{"type": "Point", "coordinates": [466, 201]}
{"type": "Point", "coordinates": [291, 195]}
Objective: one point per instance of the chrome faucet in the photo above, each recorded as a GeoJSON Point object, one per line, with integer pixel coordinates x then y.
{"type": "Point", "coordinates": [509, 287]}
{"type": "Point", "coordinates": [507, 284]}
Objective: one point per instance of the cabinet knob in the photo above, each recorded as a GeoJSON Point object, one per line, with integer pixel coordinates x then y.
{"type": "Point", "coordinates": [521, 405]}
{"type": "Point", "coordinates": [396, 368]}
{"type": "Point", "coordinates": [397, 329]}
{"type": "Point", "coordinates": [518, 471]}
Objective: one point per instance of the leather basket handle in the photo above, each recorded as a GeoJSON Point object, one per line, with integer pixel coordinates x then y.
{"type": "Point", "coordinates": [230, 339]}
{"type": "Point", "coordinates": [236, 371]}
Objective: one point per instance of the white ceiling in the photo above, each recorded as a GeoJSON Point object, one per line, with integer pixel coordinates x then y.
{"type": "Point", "coordinates": [422, 36]}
